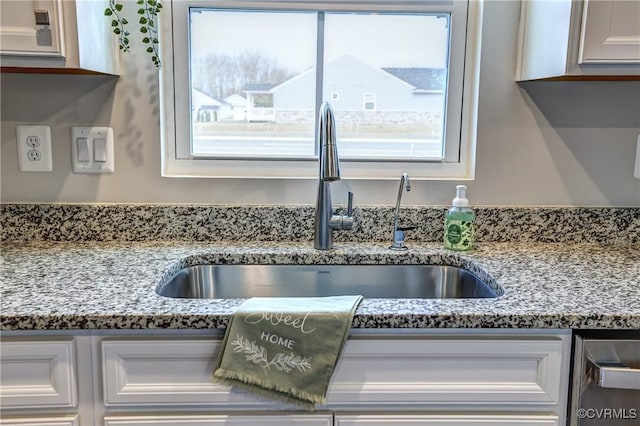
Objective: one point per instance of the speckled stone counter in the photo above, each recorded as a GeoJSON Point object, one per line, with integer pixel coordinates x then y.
{"type": "Point", "coordinates": [111, 285]}
{"type": "Point", "coordinates": [142, 222]}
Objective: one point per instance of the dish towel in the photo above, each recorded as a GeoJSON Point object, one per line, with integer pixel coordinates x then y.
{"type": "Point", "coordinates": [286, 348]}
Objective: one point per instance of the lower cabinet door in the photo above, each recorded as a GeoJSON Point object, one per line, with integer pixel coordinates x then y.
{"type": "Point", "coordinates": [445, 420]}
{"type": "Point", "coordinates": [223, 420]}
{"type": "Point", "coordinates": [42, 421]}
{"type": "Point", "coordinates": [38, 374]}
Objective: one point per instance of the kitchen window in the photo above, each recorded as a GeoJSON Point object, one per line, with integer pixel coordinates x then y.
{"type": "Point", "coordinates": [243, 81]}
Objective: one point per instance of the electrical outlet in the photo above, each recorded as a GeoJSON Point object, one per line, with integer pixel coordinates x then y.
{"type": "Point", "coordinates": [33, 141]}
{"type": "Point", "coordinates": [34, 155]}
{"type": "Point", "coordinates": [34, 148]}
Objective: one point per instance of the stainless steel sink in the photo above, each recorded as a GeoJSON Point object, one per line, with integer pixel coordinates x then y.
{"type": "Point", "coordinates": [370, 281]}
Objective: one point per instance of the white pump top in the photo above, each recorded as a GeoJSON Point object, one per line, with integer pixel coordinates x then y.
{"type": "Point", "coordinates": [461, 199]}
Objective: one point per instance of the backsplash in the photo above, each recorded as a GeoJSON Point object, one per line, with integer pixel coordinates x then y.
{"type": "Point", "coordinates": [130, 222]}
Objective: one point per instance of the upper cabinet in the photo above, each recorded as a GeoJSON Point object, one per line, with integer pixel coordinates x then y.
{"type": "Point", "coordinates": [610, 32]}
{"type": "Point", "coordinates": [57, 36]}
{"type": "Point", "coordinates": [579, 40]}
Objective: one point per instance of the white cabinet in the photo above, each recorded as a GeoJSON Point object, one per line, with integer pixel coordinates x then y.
{"type": "Point", "coordinates": [375, 373]}
{"type": "Point", "coordinates": [32, 28]}
{"type": "Point", "coordinates": [502, 373]}
{"type": "Point", "coordinates": [420, 377]}
{"type": "Point", "coordinates": [446, 420]}
{"type": "Point", "coordinates": [37, 374]}
{"type": "Point", "coordinates": [68, 36]}
{"type": "Point", "coordinates": [449, 371]}
{"type": "Point", "coordinates": [167, 372]}
{"type": "Point", "coordinates": [223, 420]}
{"type": "Point", "coordinates": [610, 32]}
{"type": "Point", "coordinates": [579, 39]}
{"type": "Point", "coordinates": [41, 421]}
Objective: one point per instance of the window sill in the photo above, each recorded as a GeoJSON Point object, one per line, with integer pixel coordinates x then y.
{"type": "Point", "coordinates": [240, 169]}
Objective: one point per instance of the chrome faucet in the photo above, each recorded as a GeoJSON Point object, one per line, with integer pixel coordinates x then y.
{"type": "Point", "coordinates": [325, 220]}
{"type": "Point", "coordinates": [399, 231]}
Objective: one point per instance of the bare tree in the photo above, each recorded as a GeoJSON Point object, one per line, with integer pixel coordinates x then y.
{"type": "Point", "coordinates": [221, 75]}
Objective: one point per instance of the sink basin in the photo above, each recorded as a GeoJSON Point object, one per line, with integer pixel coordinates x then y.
{"type": "Point", "coordinates": [370, 281]}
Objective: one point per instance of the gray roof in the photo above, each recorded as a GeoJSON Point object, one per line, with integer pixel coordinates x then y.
{"type": "Point", "coordinates": [421, 78]}
{"type": "Point", "coordinates": [258, 87]}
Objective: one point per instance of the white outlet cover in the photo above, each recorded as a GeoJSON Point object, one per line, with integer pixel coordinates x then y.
{"type": "Point", "coordinates": [34, 138]}
{"type": "Point", "coordinates": [92, 166]}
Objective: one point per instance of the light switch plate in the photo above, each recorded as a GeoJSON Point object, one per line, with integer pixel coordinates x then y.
{"type": "Point", "coordinates": [91, 134]}
{"type": "Point", "coordinates": [34, 148]}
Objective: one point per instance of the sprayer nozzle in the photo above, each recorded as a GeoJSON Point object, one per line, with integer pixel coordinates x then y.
{"type": "Point", "coordinates": [329, 160]}
{"type": "Point", "coordinates": [405, 182]}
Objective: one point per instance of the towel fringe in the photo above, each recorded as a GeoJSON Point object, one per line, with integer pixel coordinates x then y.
{"type": "Point", "coordinates": [268, 390]}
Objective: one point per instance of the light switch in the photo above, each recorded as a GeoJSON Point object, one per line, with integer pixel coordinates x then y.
{"type": "Point", "coordinates": [83, 149]}
{"type": "Point", "coordinates": [100, 150]}
{"type": "Point", "coordinates": [92, 150]}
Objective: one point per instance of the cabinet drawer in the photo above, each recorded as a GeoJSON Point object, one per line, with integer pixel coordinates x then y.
{"type": "Point", "coordinates": [450, 372]}
{"type": "Point", "coordinates": [163, 372]}
{"type": "Point", "coordinates": [446, 420]}
{"type": "Point", "coordinates": [41, 421]}
{"type": "Point", "coordinates": [38, 374]}
{"type": "Point", "coordinates": [223, 420]}
{"type": "Point", "coordinates": [374, 373]}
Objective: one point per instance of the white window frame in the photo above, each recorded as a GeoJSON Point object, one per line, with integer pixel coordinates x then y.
{"type": "Point", "coordinates": [459, 159]}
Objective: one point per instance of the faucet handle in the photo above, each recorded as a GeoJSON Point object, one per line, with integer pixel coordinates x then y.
{"type": "Point", "coordinates": [347, 220]}
{"type": "Point", "coordinates": [340, 221]}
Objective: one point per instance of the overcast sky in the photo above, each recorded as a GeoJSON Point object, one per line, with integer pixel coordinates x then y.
{"type": "Point", "coordinates": [380, 40]}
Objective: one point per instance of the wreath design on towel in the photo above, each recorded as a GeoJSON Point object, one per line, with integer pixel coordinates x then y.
{"type": "Point", "coordinates": [259, 355]}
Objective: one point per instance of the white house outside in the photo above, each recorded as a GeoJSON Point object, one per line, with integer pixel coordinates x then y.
{"type": "Point", "coordinates": [238, 106]}
{"type": "Point", "coordinates": [206, 108]}
{"type": "Point", "coordinates": [358, 92]}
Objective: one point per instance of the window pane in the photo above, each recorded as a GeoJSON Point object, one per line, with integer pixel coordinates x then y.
{"type": "Point", "coordinates": [253, 83]}
{"type": "Point", "coordinates": [243, 66]}
{"type": "Point", "coordinates": [391, 73]}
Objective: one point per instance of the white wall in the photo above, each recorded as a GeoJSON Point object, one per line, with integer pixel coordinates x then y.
{"type": "Point", "coordinates": [543, 143]}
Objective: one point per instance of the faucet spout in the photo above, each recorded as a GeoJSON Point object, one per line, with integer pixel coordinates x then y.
{"type": "Point", "coordinates": [329, 170]}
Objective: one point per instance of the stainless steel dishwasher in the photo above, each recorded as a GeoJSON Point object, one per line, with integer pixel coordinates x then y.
{"type": "Point", "coordinates": [606, 379]}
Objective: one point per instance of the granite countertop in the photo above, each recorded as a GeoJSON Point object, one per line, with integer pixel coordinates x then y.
{"type": "Point", "coordinates": [111, 285]}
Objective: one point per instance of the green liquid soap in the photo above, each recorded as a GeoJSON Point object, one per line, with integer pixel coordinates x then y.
{"type": "Point", "coordinates": [459, 232]}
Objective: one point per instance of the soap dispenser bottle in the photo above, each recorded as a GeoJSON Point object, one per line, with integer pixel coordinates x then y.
{"type": "Point", "coordinates": [459, 223]}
